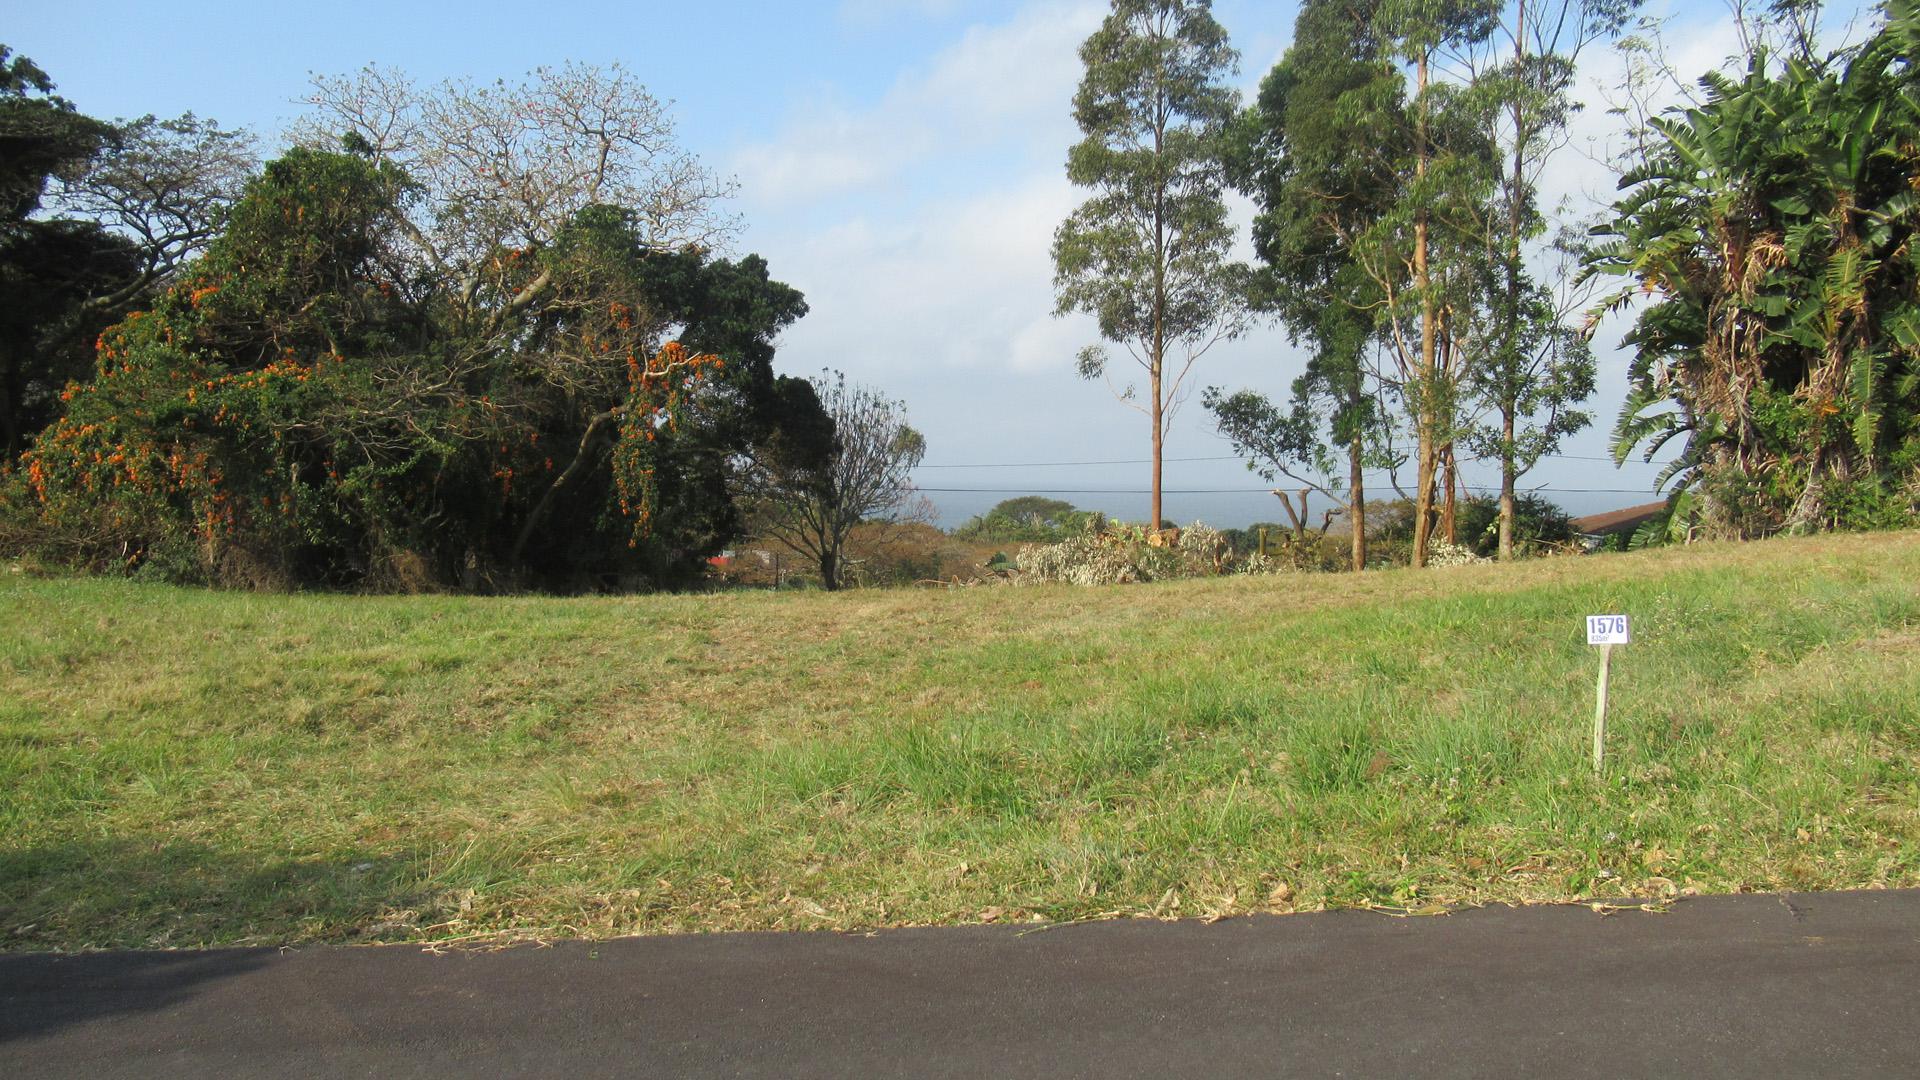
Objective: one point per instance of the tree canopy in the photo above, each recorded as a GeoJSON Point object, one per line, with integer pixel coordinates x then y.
{"type": "Point", "coordinates": [94, 217]}
{"type": "Point", "coordinates": [328, 396]}
{"type": "Point", "coordinates": [1147, 253]}
{"type": "Point", "coordinates": [1773, 227]}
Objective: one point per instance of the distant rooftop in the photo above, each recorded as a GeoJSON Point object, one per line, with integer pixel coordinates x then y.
{"type": "Point", "coordinates": [1618, 521]}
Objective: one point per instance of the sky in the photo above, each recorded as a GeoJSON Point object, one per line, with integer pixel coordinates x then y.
{"type": "Point", "coordinates": [901, 162]}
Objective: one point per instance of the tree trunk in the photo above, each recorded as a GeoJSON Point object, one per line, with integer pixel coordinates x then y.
{"type": "Point", "coordinates": [830, 568]}
{"type": "Point", "coordinates": [1357, 505]}
{"type": "Point", "coordinates": [1159, 435]}
{"type": "Point", "coordinates": [1159, 350]}
{"type": "Point", "coordinates": [12, 439]}
{"type": "Point", "coordinates": [1423, 500]}
{"type": "Point", "coordinates": [1506, 485]}
{"type": "Point", "coordinates": [1516, 208]}
{"type": "Point", "coordinates": [1423, 375]}
{"type": "Point", "coordinates": [539, 512]}
{"type": "Point", "coordinates": [1449, 513]}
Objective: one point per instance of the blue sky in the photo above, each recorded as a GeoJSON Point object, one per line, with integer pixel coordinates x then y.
{"type": "Point", "coordinates": [899, 161]}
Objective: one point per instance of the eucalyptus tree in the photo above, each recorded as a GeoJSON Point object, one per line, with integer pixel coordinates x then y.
{"type": "Point", "coordinates": [1148, 253]}
{"type": "Point", "coordinates": [1318, 189]}
{"type": "Point", "coordinates": [1427, 253]}
{"type": "Point", "coordinates": [1375, 173]}
{"type": "Point", "coordinates": [1537, 368]}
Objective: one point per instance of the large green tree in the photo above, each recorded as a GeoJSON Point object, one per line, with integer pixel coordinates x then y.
{"type": "Point", "coordinates": [1427, 253]}
{"type": "Point", "coordinates": [1148, 253]}
{"type": "Point", "coordinates": [300, 408]}
{"type": "Point", "coordinates": [1772, 228]}
{"type": "Point", "coordinates": [1318, 190]}
{"type": "Point", "coordinates": [1371, 155]}
{"type": "Point", "coordinates": [47, 267]}
{"type": "Point", "coordinates": [94, 219]}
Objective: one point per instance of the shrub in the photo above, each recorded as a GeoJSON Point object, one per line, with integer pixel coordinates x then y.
{"type": "Point", "coordinates": [902, 553]}
{"type": "Point", "coordinates": [1441, 553]}
{"type": "Point", "coordinates": [1538, 524]}
{"type": "Point", "coordinates": [1120, 553]}
{"type": "Point", "coordinates": [1028, 519]}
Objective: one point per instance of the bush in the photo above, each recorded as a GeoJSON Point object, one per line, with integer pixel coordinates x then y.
{"type": "Point", "coordinates": [1538, 524]}
{"type": "Point", "coordinates": [902, 553]}
{"type": "Point", "coordinates": [1120, 553]}
{"type": "Point", "coordinates": [1028, 519]}
{"type": "Point", "coordinates": [1441, 553]}
{"type": "Point", "coordinates": [290, 413]}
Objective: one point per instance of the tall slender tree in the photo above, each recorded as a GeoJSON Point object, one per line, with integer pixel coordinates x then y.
{"type": "Point", "coordinates": [1423, 254]}
{"type": "Point", "coordinates": [1537, 367]}
{"type": "Point", "coordinates": [1318, 190]}
{"type": "Point", "coordinates": [1148, 254]}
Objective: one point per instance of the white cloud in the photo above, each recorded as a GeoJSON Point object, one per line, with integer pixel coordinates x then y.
{"type": "Point", "coordinates": [999, 85]}
{"type": "Point", "coordinates": [966, 283]}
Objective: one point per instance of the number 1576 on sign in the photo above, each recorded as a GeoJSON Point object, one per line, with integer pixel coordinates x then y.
{"type": "Point", "coordinates": [1606, 629]}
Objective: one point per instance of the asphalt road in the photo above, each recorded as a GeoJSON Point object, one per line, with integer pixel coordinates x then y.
{"type": "Point", "coordinates": [1800, 985]}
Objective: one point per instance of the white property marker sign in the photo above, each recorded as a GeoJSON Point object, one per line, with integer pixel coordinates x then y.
{"type": "Point", "coordinates": [1605, 631]}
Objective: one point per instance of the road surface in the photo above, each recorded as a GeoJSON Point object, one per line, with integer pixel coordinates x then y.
{"type": "Point", "coordinates": [1765, 985]}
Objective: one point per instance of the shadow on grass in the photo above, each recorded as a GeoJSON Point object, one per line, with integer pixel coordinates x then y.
{"type": "Point", "coordinates": [189, 898]}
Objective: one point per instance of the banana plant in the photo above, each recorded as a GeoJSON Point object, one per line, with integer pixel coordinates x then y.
{"type": "Point", "coordinates": [1767, 242]}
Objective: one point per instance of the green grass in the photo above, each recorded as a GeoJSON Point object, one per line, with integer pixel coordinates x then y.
{"type": "Point", "coordinates": [183, 768]}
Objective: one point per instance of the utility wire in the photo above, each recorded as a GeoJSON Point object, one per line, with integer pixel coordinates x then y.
{"type": "Point", "coordinates": [1251, 491]}
{"type": "Point", "coordinates": [1219, 457]}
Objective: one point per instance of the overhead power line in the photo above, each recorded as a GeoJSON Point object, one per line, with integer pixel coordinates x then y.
{"type": "Point", "coordinates": [1046, 464]}
{"type": "Point", "coordinates": [1217, 457]}
{"type": "Point", "coordinates": [1486, 488]}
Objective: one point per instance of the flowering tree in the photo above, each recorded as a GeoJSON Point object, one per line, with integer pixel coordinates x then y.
{"type": "Point", "coordinates": [292, 410]}
{"type": "Point", "coordinates": [94, 219]}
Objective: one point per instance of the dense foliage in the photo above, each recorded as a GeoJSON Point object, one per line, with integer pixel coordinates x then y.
{"type": "Point", "coordinates": [1773, 226]}
{"type": "Point", "coordinates": [1393, 155]}
{"type": "Point", "coordinates": [299, 409]}
{"type": "Point", "coordinates": [94, 218]}
{"type": "Point", "coordinates": [1031, 519]}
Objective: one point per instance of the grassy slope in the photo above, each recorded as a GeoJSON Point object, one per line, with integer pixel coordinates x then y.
{"type": "Point", "coordinates": [184, 768]}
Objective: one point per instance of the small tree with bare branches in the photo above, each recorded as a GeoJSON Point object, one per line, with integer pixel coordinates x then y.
{"type": "Point", "coordinates": [811, 509]}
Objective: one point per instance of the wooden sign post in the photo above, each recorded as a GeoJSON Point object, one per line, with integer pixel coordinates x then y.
{"type": "Point", "coordinates": [1605, 631]}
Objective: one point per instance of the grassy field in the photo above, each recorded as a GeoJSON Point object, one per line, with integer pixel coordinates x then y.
{"type": "Point", "coordinates": [183, 768]}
